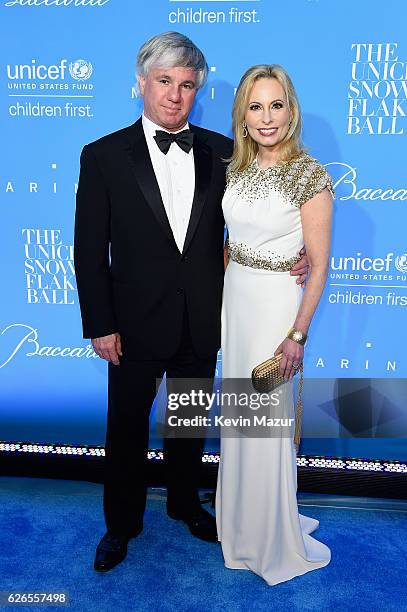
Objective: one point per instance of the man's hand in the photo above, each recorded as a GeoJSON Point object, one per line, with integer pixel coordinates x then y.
{"type": "Point", "coordinates": [301, 268]}
{"type": "Point", "coordinates": [108, 347]}
{"type": "Point", "coordinates": [226, 255]}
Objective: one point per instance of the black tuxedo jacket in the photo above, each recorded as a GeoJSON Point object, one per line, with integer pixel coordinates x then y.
{"type": "Point", "coordinates": [131, 277]}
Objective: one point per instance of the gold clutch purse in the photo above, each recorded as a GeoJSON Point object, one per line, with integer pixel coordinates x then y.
{"type": "Point", "coordinates": [267, 376]}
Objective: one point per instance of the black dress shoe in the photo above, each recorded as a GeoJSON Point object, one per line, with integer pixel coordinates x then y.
{"type": "Point", "coordinates": [111, 550]}
{"type": "Point", "coordinates": [201, 524]}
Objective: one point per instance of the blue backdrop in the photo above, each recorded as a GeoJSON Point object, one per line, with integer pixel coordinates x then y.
{"type": "Point", "coordinates": [67, 77]}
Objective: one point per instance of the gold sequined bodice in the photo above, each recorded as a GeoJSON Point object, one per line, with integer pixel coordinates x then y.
{"type": "Point", "coordinates": [297, 180]}
{"type": "Point", "coordinates": [262, 211]}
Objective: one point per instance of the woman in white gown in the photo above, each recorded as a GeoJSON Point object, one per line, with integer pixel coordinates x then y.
{"type": "Point", "coordinates": [277, 199]}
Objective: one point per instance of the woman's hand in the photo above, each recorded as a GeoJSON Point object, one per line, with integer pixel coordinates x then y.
{"type": "Point", "coordinates": [293, 355]}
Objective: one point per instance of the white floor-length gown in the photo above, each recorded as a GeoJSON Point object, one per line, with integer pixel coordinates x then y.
{"type": "Point", "coordinates": [257, 516]}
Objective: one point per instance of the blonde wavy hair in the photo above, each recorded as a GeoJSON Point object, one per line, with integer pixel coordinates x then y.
{"type": "Point", "coordinates": [245, 149]}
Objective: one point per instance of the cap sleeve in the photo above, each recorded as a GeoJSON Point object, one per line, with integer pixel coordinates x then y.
{"type": "Point", "coordinates": [314, 180]}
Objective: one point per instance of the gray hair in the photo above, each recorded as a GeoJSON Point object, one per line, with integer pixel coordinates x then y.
{"type": "Point", "coordinates": [170, 50]}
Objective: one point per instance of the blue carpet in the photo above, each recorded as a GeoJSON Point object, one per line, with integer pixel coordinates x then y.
{"type": "Point", "coordinates": [50, 528]}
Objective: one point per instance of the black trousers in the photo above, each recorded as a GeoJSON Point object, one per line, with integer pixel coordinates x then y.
{"type": "Point", "coordinates": [131, 392]}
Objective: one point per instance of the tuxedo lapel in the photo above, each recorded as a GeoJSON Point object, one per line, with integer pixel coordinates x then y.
{"type": "Point", "coordinates": [140, 162]}
{"type": "Point", "coordinates": [203, 172]}
{"type": "Point", "coordinates": [139, 159]}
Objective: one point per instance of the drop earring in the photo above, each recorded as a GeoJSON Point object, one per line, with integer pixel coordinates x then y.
{"type": "Point", "coordinates": [245, 132]}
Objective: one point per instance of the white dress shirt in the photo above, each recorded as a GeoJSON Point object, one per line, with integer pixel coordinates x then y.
{"type": "Point", "coordinates": [175, 173]}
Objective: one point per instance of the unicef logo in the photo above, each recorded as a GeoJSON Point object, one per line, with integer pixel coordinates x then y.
{"type": "Point", "coordinates": [401, 263]}
{"type": "Point", "coordinates": [80, 70]}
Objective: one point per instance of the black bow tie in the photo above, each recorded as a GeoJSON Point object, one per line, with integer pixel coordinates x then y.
{"type": "Point", "coordinates": [183, 139]}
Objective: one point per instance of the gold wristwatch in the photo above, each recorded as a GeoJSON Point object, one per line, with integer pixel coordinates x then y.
{"type": "Point", "coordinates": [297, 335]}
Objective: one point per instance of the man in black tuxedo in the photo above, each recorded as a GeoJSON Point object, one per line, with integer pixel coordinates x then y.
{"type": "Point", "coordinates": [149, 265]}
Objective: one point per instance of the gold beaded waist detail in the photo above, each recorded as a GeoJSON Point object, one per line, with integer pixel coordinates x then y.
{"type": "Point", "coordinates": [244, 255]}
